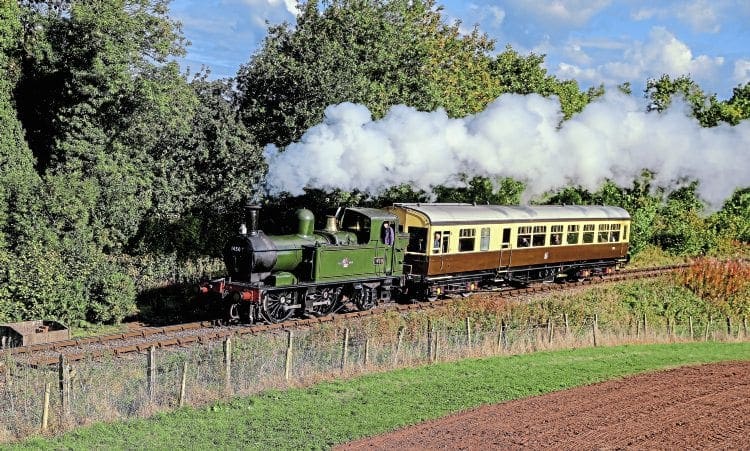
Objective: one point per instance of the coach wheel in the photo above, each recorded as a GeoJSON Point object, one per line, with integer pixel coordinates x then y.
{"type": "Point", "coordinates": [364, 298]}
{"type": "Point", "coordinates": [277, 305]}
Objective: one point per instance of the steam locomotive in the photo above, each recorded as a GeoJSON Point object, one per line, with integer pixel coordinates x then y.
{"type": "Point", "coordinates": [410, 251]}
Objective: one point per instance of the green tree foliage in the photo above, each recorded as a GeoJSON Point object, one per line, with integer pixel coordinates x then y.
{"type": "Point", "coordinates": [103, 108]}
{"type": "Point", "coordinates": [381, 53]}
{"type": "Point", "coordinates": [680, 227]}
{"type": "Point", "coordinates": [19, 183]}
{"type": "Point", "coordinates": [733, 220]}
{"type": "Point", "coordinates": [526, 75]}
{"type": "Point", "coordinates": [737, 108]}
{"type": "Point", "coordinates": [482, 190]}
{"type": "Point", "coordinates": [709, 111]}
{"type": "Point", "coordinates": [203, 180]}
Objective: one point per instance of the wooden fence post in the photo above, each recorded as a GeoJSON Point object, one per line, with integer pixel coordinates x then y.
{"type": "Point", "coordinates": [367, 352]}
{"type": "Point", "coordinates": [151, 370]}
{"type": "Point", "coordinates": [550, 329]}
{"type": "Point", "coordinates": [504, 333]}
{"type": "Point", "coordinates": [468, 331]}
{"type": "Point", "coordinates": [637, 327]}
{"type": "Point", "coordinates": [64, 389]}
{"type": "Point", "coordinates": [567, 326]}
{"type": "Point", "coordinates": [645, 329]}
{"type": "Point", "coordinates": [183, 384]}
{"type": "Point", "coordinates": [399, 340]}
{"type": "Point", "coordinates": [669, 328]}
{"type": "Point", "coordinates": [344, 349]}
{"type": "Point", "coordinates": [594, 327]}
{"type": "Point", "coordinates": [429, 340]}
{"type": "Point", "coordinates": [708, 325]}
{"type": "Point", "coordinates": [437, 345]}
{"type": "Point", "coordinates": [729, 327]}
{"type": "Point", "coordinates": [744, 326]}
{"type": "Point", "coordinates": [690, 324]}
{"type": "Point", "coordinates": [45, 408]}
{"type": "Point", "coordinates": [228, 365]}
{"type": "Point", "coordinates": [288, 361]}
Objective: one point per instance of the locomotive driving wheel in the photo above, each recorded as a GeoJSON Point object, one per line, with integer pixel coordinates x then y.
{"type": "Point", "coordinates": [327, 300]}
{"type": "Point", "coordinates": [364, 298]}
{"type": "Point", "coordinates": [277, 305]}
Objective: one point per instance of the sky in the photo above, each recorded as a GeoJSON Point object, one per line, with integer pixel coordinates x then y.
{"type": "Point", "coordinates": [591, 41]}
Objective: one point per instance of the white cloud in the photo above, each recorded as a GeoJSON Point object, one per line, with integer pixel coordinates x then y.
{"type": "Point", "coordinates": [742, 71]}
{"type": "Point", "coordinates": [645, 14]}
{"type": "Point", "coordinates": [571, 12]}
{"type": "Point", "coordinates": [701, 15]}
{"type": "Point", "coordinates": [663, 53]}
{"type": "Point", "coordinates": [498, 15]}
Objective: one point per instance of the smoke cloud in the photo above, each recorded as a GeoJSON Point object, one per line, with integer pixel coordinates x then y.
{"type": "Point", "coordinates": [518, 136]}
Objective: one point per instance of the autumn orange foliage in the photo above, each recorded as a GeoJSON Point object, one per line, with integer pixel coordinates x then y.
{"type": "Point", "coordinates": [724, 284]}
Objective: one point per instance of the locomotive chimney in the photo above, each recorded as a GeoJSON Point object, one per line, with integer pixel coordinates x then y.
{"type": "Point", "coordinates": [251, 217]}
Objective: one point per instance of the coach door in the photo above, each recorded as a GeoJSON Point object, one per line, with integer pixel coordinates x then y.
{"type": "Point", "coordinates": [505, 252]}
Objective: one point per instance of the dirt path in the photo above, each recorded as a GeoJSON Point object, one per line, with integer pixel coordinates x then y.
{"type": "Point", "coordinates": [694, 407]}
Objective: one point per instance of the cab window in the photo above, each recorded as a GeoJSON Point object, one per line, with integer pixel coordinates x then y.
{"type": "Point", "coordinates": [357, 223]}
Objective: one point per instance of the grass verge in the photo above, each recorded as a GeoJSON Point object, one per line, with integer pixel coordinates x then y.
{"type": "Point", "coordinates": [335, 412]}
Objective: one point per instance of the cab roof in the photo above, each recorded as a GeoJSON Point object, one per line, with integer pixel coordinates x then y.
{"type": "Point", "coordinates": [374, 213]}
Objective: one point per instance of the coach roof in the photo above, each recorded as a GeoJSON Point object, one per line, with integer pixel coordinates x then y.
{"type": "Point", "coordinates": [444, 214]}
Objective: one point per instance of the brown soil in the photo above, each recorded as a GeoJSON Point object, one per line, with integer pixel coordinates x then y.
{"type": "Point", "coordinates": [693, 407]}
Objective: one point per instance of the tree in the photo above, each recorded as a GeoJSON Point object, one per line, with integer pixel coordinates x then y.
{"type": "Point", "coordinates": [733, 220]}
{"type": "Point", "coordinates": [380, 54]}
{"type": "Point", "coordinates": [680, 227]}
{"type": "Point", "coordinates": [204, 179]}
{"type": "Point", "coordinates": [19, 183]}
{"type": "Point", "coordinates": [482, 190]}
{"type": "Point", "coordinates": [526, 74]}
{"type": "Point", "coordinates": [706, 108]}
{"type": "Point", "coordinates": [737, 108]}
{"type": "Point", "coordinates": [101, 103]}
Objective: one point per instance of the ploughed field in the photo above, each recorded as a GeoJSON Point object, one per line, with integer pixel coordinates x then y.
{"type": "Point", "coordinates": [697, 407]}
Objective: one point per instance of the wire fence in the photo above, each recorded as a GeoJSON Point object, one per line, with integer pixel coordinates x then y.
{"type": "Point", "coordinates": [51, 400]}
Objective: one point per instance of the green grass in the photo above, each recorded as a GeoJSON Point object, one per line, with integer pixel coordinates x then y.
{"type": "Point", "coordinates": [335, 412]}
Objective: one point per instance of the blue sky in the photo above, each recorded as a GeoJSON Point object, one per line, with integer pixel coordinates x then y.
{"type": "Point", "coordinates": [592, 41]}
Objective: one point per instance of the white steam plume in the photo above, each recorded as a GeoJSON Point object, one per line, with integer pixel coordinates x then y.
{"type": "Point", "coordinates": [517, 136]}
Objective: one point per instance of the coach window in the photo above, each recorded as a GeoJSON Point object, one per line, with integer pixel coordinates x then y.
{"type": "Point", "coordinates": [588, 233]}
{"type": "Point", "coordinates": [625, 233]}
{"type": "Point", "coordinates": [556, 235]}
{"type": "Point", "coordinates": [466, 240]}
{"type": "Point", "coordinates": [446, 241]}
{"type": "Point", "coordinates": [573, 232]}
{"type": "Point", "coordinates": [506, 238]}
{"type": "Point", "coordinates": [524, 236]}
{"type": "Point", "coordinates": [484, 244]}
{"type": "Point", "coordinates": [603, 233]}
{"type": "Point", "coordinates": [614, 234]}
{"type": "Point", "coordinates": [539, 237]}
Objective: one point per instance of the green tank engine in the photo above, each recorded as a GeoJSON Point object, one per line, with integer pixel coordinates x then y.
{"type": "Point", "coordinates": [357, 257]}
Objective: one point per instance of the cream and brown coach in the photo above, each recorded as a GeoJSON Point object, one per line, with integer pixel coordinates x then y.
{"type": "Point", "coordinates": [461, 247]}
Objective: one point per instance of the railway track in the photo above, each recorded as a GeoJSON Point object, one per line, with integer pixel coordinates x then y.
{"type": "Point", "coordinates": [141, 340]}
